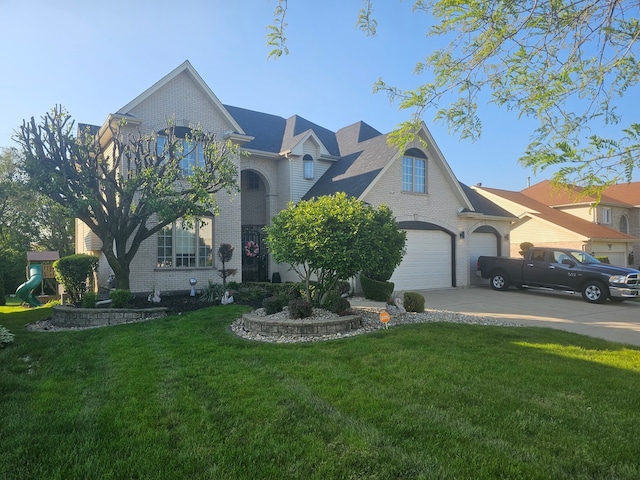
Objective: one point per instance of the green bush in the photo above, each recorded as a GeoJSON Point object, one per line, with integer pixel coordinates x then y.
{"type": "Point", "coordinates": [5, 336]}
{"type": "Point", "coordinates": [336, 303]}
{"type": "Point", "coordinates": [273, 305]}
{"type": "Point", "coordinates": [376, 290]}
{"type": "Point", "coordinates": [603, 259]}
{"type": "Point", "coordinates": [89, 299]}
{"type": "Point", "coordinates": [120, 298]}
{"type": "Point", "coordinates": [413, 302]}
{"type": "Point", "coordinates": [300, 308]}
{"type": "Point", "coordinates": [73, 272]}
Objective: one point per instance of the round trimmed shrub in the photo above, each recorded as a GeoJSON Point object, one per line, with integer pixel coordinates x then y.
{"type": "Point", "coordinates": [300, 308]}
{"type": "Point", "coordinates": [413, 302]}
{"type": "Point", "coordinates": [120, 298]}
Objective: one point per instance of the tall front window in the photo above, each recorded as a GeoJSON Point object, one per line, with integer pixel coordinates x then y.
{"type": "Point", "coordinates": [186, 246]}
{"type": "Point", "coordinates": [413, 174]}
{"type": "Point", "coordinates": [606, 215]}
{"type": "Point", "coordinates": [193, 155]}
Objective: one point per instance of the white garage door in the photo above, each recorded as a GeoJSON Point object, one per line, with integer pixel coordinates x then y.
{"type": "Point", "coordinates": [427, 263]}
{"type": "Point", "coordinates": [480, 244]}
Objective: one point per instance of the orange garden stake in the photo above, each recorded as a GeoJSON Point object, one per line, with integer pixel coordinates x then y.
{"type": "Point", "coordinates": [384, 318]}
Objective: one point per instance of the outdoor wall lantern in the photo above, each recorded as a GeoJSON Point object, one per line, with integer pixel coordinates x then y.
{"type": "Point", "coordinates": [462, 234]}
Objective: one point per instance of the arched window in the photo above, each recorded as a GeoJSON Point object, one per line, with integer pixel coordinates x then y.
{"type": "Point", "coordinates": [308, 167]}
{"type": "Point", "coordinates": [414, 171]}
{"type": "Point", "coordinates": [624, 224]}
{"type": "Point", "coordinates": [192, 154]}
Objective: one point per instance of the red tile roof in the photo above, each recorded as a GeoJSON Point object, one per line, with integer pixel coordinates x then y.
{"type": "Point", "coordinates": [537, 209]}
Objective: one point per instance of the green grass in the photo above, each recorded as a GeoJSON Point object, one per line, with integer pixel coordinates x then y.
{"type": "Point", "coordinates": [183, 397]}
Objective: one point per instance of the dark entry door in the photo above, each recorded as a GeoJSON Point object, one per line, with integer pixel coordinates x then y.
{"type": "Point", "coordinates": [254, 254]}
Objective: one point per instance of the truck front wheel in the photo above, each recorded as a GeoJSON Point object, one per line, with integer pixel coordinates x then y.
{"type": "Point", "coordinates": [499, 281]}
{"type": "Point", "coordinates": [594, 292]}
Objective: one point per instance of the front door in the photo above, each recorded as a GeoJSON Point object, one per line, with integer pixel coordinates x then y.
{"type": "Point", "coordinates": [254, 254]}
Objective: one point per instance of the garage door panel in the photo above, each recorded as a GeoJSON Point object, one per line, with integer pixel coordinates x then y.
{"type": "Point", "coordinates": [427, 263]}
{"type": "Point", "coordinates": [480, 244]}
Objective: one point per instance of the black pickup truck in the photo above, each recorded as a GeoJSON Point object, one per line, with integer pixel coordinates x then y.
{"type": "Point", "coordinates": [562, 269]}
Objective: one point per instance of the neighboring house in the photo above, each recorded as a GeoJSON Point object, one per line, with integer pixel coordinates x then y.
{"type": "Point", "coordinates": [550, 216]}
{"type": "Point", "coordinates": [448, 224]}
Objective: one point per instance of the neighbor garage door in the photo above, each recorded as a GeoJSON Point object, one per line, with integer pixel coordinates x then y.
{"type": "Point", "coordinates": [427, 263]}
{"type": "Point", "coordinates": [480, 244]}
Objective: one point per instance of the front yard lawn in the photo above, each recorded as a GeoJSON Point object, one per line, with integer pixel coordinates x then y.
{"type": "Point", "coordinates": [183, 397]}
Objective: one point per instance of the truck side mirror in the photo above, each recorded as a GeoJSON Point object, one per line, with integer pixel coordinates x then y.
{"type": "Point", "coordinates": [567, 261]}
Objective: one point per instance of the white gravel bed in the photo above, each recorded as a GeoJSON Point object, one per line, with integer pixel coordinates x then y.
{"type": "Point", "coordinates": [370, 323]}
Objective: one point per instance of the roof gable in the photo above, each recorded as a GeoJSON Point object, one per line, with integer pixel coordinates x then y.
{"type": "Point", "coordinates": [188, 69]}
{"type": "Point", "coordinates": [298, 129]}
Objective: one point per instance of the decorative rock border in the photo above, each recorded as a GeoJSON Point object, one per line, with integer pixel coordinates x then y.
{"type": "Point", "coordinates": [71, 317]}
{"type": "Point", "coordinates": [300, 326]}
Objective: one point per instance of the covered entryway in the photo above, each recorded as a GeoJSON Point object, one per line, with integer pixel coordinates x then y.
{"type": "Point", "coordinates": [429, 262]}
{"type": "Point", "coordinates": [255, 264]}
{"type": "Point", "coordinates": [485, 240]}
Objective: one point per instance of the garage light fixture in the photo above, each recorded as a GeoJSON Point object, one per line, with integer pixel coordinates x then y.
{"type": "Point", "coordinates": [462, 234]}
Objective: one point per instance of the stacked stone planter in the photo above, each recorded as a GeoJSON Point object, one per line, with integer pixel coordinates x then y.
{"type": "Point", "coordinates": [304, 326]}
{"type": "Point", "coordinates": [71, 317]}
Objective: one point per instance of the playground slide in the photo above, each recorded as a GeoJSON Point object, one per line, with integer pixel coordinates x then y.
{"type": "Point", "coordinates": [35, 279]}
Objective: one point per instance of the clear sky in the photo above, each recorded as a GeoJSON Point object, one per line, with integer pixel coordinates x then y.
{"type": "Point", "coordinates": [95, 57]}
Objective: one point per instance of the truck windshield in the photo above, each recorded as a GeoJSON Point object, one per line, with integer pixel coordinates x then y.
{"type": "Point", "coordinates": [584, 257]}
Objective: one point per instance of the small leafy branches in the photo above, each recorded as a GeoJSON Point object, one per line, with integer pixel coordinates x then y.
{"type": "Point", "coordinates": [275, 32]}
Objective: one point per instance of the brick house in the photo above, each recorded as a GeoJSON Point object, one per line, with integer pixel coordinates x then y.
{"type": "Point", "coordinates": [549, 216]}
{"type": "Point", "coordinates": [448, 224]}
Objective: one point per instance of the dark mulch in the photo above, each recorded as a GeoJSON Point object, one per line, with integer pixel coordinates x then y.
{"type": "Point", "coordinates": [177, 303]}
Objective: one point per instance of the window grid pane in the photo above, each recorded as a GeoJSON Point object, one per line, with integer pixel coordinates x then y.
{"type": "Point", "coordinates": [185, 247]}
{"type": "Point", "coordinates": [165, 247]}
{"type": "Point", "coordinates": [418, 177]}
{"type": "Point", "coordinates": [205, 244]}
{"type": "Point", "coordinates": [407, 174]}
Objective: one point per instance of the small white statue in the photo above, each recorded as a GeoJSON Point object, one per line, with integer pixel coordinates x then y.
{"type": "Point", "coordinates": [156, 296]}
{"type": "Point", "coordinates": [227, 298]}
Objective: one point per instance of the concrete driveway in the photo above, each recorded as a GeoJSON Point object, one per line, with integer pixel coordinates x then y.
{"type": "Point", "coordinates": [618, 322]}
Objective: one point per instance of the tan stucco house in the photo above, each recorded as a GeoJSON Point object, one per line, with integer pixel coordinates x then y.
{"type": "Point", "coordinates": [448, 224]}
{"type": "Point", "coordinates": [551, 216]}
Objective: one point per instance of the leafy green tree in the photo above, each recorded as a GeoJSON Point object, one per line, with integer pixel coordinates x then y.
{"type": "Point", "coordinates": [124, 187]}
{"type": "Point", "coordinates": [334, 237]}
{"type": "Point", "coordinates": [566, 64]}
{"type": "Point", "coordinates": [73, 272]}
{"type": "Point", "coordinates": [29, 220]}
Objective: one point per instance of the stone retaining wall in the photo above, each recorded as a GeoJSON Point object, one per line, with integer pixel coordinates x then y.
{"type": "Point", "coordinates": [301, 326]}
{"type": "Point", "coordinates": [69, 317]}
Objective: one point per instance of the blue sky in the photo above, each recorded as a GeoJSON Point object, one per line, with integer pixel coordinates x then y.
{"type": "Point", "coordinates": [95, 57]}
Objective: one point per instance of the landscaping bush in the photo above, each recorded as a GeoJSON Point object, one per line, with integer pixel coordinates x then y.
{"type": "Point", "coordinates": [73, 271]}
{"type": "Point", "coordinates": [6, 336]}
{"type": "Point", "coordinates": [376, 290]}
{"type": "Point", "coordinates": [602, 259]}
{"type": "Point", "coordinates": [89, 299]}
{"type": "Point", "coordinates": [413, 302]}
{"type": "Point", "coordinates": [273, 305]}
{"type": "Point", "coordinates": [120, 298]}
{"type": "Point", "coordinates": [299, 308]}
{"type": "Point", "coordinates": [337, 304]}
